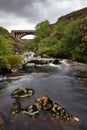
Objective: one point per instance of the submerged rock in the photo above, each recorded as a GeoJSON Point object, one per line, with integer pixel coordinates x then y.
{"type": "Point", "coordinates": [31, 110]}
{"type": "Point", "coordinates": [43, 102]}
{"type": "Point", "coordinates": [58, 111]}
{"type": "Point", "coordinates": [82, 75]}
{"type": "Point", "coordinates": [16, 107]}
{"type": "Point", "coordinates": [22, 92]}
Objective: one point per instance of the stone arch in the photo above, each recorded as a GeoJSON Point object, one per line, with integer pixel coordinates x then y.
{"type": "Point", "coordinates": [18, 34]}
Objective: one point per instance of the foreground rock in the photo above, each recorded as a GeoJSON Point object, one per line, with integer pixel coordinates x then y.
{"type": "Point", "coordinates": [44, 103]}
{"type": "Point", "coordinates": [41, 103]}
{"type": "Point", "coordinates": [58, 111]}
{"type": "Point", "coordinates": [22, 92]}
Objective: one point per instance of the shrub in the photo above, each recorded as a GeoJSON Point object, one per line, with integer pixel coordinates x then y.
{"type": "Point", "coordinates": [14, 60]}
{"type": "Point", "coordinates": [80, 53]}
{"type": "Point", "coordinates": [73, 34]}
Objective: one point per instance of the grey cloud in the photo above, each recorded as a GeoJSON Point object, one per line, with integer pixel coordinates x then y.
{"type": "Point", "coordinates": [35, 11]}
{"type": "Point", "coordinates": [24, 8]}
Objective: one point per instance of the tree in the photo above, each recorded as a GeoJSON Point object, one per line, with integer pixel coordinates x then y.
{"type": "Point", "coordinates": [42, 30]}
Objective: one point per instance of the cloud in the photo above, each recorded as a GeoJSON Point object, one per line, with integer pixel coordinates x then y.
{"type": "Point", "coordinates": [27, 13]}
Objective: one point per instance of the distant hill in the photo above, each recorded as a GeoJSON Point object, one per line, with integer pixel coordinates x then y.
{"type": "Point", "coordinates": [82, 13]}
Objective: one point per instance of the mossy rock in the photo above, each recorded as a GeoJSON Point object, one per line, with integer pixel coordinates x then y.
{"type": "Point", "coordinates": [43, 102]}
{"type": "Point", "coordinates": [58, 111]}
{"type": "Point", "coordinates": [22, 92]}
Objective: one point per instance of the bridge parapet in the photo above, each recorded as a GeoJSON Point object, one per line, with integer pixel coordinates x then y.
{"type": "Point", "coordinates": [18, 34]}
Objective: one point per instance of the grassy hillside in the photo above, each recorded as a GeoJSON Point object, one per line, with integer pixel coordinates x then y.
{"type": "Point", "coordinates": [67, 38]}
{"type": "Point", "coordinates": [7, 39]}
{"type": "Point", "coordinates": [8, 47]}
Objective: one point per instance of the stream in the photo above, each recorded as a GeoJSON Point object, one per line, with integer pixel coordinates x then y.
{"type": "Point", "coordinates": [57, 82]}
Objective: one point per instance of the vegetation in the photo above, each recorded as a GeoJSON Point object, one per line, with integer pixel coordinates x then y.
{"type": "Point", "coordinates": [67, 38]}
{"type": "Point", "coordinates": [14, 60]}
{"type": "Point", "coordinates": [8, 46]}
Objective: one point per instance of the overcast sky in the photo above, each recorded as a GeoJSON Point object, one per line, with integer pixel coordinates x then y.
{"type": "Point", "coordinates": [25, 14]}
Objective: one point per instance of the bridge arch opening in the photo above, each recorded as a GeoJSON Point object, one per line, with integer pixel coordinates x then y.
{"type": "Point", "coordinates": [20, 34]}
{"type": "Point", "coordinates": [29, 36]}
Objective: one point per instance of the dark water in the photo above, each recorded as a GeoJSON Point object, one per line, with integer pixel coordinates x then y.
{"type": "Point", "coordinates": [57, 82]}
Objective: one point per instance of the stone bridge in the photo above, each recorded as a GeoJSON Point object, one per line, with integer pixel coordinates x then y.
{"type": "Point", "coordinates": [18, 34]}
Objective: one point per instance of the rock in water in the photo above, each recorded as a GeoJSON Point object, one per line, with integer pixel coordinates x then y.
{"type": "Point", "coordinates": [43, 102]}
{"type": "Point", "coordinates": [81, 75]}
{"type": "Point", "coordinates": [58, 111]}
{"type": "Point", "coordinates": [22, 92]}
{"type": "Point", "coordinates": [31, 110]}
{"type": "Point", "coordinates": [16, 107]}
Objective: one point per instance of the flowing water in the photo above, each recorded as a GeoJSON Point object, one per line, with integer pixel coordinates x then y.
{"type": "Point", "coordinates": [60, 84]}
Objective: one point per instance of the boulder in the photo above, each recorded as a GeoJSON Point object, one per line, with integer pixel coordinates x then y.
{"type": "Point", "coordinates": [66, 61]}
{"type": "Point", "coordinates": [56, 61]}
{"type": "Point", "coordinates": [45, 56]}
{"type": "Point", "coordinates": [43, 102]}
{"type": "Point", "coordinates": [22, 92]}
{"type": "Point", "coordinates": [30, 65]}
{"type": "Point", "coordinates": [58, 111]}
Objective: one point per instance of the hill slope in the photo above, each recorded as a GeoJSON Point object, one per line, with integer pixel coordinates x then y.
{"type": "Point", "coordinates": [7, 43]}
{"type": "Point", "coordinates": [67, 38]}
{"type": "Point", "coordinates": [8, 47]}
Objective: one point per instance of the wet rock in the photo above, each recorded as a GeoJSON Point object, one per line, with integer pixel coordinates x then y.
{"type": "Point", "coordinates": [56, 61]}
{"type": "Point", "coordinates": [22, 92]}
{"type": "Point", "coordinates": [82, 75]}
{"type": "Point", "coordinates": [66, 61]}
{"type": "Point", "coordinates": [58, 111]}
{"type": "Point", "coordinates": [28, 58]}
{"type": "Point", "coordinates": [29, 54]}
{"type": "Point", "coordinates": [16, 107]}
{"type": "Point", "coordinates": [45, 56]}
{"type": "Point", "coordinates": [17, 68]}
{"type": "Point", "coordinates": [30, 65]}
{"type": "Point", "coordinates": [43, 102]}
{"type": "Point", "coordinates": [31, 110]}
